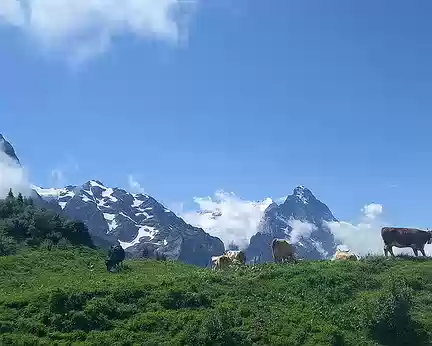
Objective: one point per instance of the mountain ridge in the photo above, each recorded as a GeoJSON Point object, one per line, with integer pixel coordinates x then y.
{"type": "Point", "coordinates": [142, 225]}
{"type": "Point", "coordinates": [138, 222]}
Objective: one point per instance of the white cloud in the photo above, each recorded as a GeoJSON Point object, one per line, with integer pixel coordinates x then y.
{"type": "Point", "coordinates": [12, 176]}
{"type": "Point", "coordinates": [362, 238]}
{"type": "Point", "coordinates": [227, 217]}
{"type": "Point", "coordinates": [372, 211]}
{"type": "Point", "coordinates": [84, 28]}
{"type": "Point", "coordinates": [300, 230]}
{"type": "Point", "coordinates": [134, 185]}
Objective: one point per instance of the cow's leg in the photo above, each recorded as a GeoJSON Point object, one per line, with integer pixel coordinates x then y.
{"type": "Point", "coordinates": [390, 249]}
{"type": "Point", "coordinates": [422, 251]}
{"type": "Point", "coordinates": [385, 251]}
{"type": "Point", "coordinates": [415, 251]}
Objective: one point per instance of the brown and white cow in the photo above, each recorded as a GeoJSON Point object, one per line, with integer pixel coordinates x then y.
{"type": "Point", "coordinates": [401, 237]}
{"type": "Point", "coordinates": [237, 257]}
{"type": "Point", "coordinates": [283, 251]}
{"type": "Point", "coordinates": [221, 262]}
{"type": "Point", "coordinates": [345, 255]}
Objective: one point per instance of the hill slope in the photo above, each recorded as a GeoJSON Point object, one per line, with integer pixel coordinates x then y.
{"type": "Point", "coordinates": [59, 297]}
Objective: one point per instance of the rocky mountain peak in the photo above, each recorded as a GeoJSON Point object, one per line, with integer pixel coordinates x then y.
{"type": "Point", "coordinates": [277, 222]}
{"type": "Point", "coordinates": [8, 149]}
{"type": "Point", "coordinates": [303, 194]}
{"type": "Point", "coordinates": [138, 222]}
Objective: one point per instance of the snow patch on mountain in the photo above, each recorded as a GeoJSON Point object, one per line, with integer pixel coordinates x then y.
{"type": "Point", "coordinates": [144, 231]}
{"type": "Point", "coordinates": [104, 200]}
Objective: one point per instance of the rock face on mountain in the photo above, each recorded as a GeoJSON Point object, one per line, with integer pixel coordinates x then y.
{"type": "Point", "coordinates": [300, 220]}
{"type": "Point", "coordinates": [139, 223]}
{"type": "Point", "coordinates": [8, 149]}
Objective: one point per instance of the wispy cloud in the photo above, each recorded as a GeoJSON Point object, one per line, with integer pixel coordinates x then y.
{"type": "Point", "coordinates": [57, 177]}
{"type": "Point", "coordinates": [61, 174]}
{"type": "Point", "coordinates": [134, 185]}
{"type": "Point", "coordinates": [300, 230]}
{"type": "Point", "coordinates": [84, 28]}
{"type": "Point", "coordinates": [227, 217]}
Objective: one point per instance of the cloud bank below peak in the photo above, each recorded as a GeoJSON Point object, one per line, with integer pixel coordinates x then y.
{"type": "Point", "coordinates": [12, 176]}
{"type": "Point", "coordinates": [85, 28]}
{"type": "Point", "coordinates": [227, 216]}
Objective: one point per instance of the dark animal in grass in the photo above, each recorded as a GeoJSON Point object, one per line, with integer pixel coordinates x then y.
{"type": "Point", "coordinates": [400, 237]}
{"type": "Point", "coordinates": [116, 255]}
{"type": "Point", "coordinates": [283, 251]}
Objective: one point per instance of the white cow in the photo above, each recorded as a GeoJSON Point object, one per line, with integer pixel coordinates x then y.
{"type": "Point", "coordinates": [237, 257]}
{"type": "Point", "coordinates": [345, 255]}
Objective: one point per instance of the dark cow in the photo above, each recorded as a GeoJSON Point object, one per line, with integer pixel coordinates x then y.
{"type": "Point", "coordinates": [405, 237]}
{"type": "Point", "coordinates": [116, 255]}
{"type": "Point", "coordinates": [283, 251]}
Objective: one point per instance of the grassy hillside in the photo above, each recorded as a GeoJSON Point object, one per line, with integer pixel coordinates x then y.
{"type": "Point", "coordinates": [67, 297]}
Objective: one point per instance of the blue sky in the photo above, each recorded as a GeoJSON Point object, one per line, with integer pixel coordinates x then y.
{"type": "Point", "coordinates": [252, 97]}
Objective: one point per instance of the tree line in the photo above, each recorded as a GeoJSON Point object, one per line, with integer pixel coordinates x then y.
{"type": "Point", "coordinates": [23, 224]}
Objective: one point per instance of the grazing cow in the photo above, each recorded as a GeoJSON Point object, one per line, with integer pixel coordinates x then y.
{"type": "Point", "coordinates": [221, 262]}
{"type": "Point", "coordinates": [345, 255]}
{"type": "Point", "coordinates": [116, 255]}
{"type": "Point", "coordinates": [282, 251]}
{"type": "Point", "coordinates": [237, 257]}
{"type": "Point", "coordinates": [405, 237]}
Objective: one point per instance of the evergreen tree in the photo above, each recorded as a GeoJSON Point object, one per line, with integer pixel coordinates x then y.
{"type": "Point", "coordinates": [20, 198]}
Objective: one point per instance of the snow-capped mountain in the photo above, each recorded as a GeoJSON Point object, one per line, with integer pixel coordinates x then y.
{"type": "Point", "coordinates": [143, 226]}
{"type": "Point", "coordinates": [137, 222]}
{"type": "Point", "coordinates": [300, 219]}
